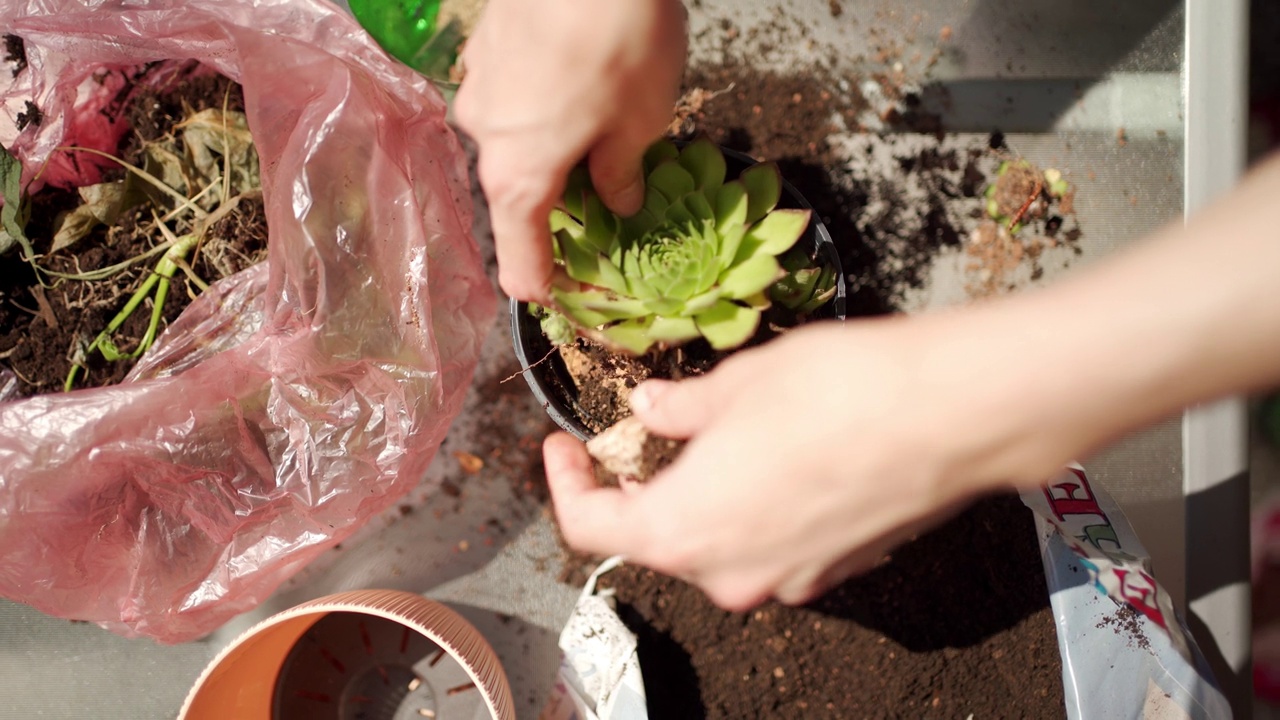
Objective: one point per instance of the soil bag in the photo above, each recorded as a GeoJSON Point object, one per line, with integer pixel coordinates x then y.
{"type": "Point", "coordinates": [1125, 652]}
{"type": "Point", "coordinates": [290, 402]}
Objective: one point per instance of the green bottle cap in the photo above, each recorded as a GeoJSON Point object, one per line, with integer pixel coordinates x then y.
{"type": "Point", "coordinates": [407, 30]}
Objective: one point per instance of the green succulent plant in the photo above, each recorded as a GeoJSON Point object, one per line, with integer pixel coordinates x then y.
{"type": "Point", "coordinates": [806, 286]}
{"type": "Point", "coordinates": [696, 261]}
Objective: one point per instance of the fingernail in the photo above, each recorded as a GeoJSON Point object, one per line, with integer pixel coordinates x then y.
{"type": "Point", "coordinates": [646, 396]}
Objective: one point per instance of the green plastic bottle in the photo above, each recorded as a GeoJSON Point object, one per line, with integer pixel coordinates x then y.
{"type": "Point", "coordinates": [407, 30]}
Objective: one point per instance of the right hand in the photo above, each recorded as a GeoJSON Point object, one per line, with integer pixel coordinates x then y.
{"type": "Point", "coordinates": [808, 459]}
{"type": "Point", "coordinates": [550, 82]}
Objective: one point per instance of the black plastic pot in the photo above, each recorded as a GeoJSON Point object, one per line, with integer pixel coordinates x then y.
{"type": "Point", "coordinates": [549, 379]}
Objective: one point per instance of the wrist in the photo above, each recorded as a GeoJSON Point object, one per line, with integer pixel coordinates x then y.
{"type": "Point", "coordinates": [1059, 373]}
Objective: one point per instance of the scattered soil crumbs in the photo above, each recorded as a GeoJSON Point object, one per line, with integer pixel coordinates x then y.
{"type": "Point", "coordinates": [42, 327]}
{"type": "Point", "coordinates": [1127, 623]}
{"type": "Point", "coordinates": [602, 381]}
{"type": "Point", "coordinates": [893, 201]}
{"type": "Point", "coordinates": [15, 53]}
{"type": "Point", "coordinates": [506, 440]}
{"type": "Point", "coordinates": [1025, 213]}
{"type": "Point", "coordinates": [955, 624]}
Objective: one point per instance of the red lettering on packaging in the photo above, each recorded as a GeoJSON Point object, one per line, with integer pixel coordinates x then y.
{"type": "Point", "coordinates": [1139, 590]}
{"type": "Point", "coordinates": [1065, 501]}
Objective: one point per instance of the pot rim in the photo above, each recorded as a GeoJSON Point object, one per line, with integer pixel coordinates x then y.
{"type": "Point", "coordinates": [438, 622]}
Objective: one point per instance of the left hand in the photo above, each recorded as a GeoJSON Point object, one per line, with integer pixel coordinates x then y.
{"type": "Point", "coordinates": [549, 83]}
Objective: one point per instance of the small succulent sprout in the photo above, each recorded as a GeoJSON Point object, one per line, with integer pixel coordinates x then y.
{"type": "Point", "coordinates": [1017, 192]}
{"type": "Point", "coordinates": [1055, 184]}
{"type": "Point", "coordinates": [554, 325]}
{"type": "Point", "coordinates": [807, 286]}
{"type": "Point", "coordinates": [695, 261]}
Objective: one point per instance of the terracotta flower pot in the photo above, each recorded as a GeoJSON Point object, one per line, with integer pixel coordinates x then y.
{"type": "Point", "coordinates": [546, 373]}
{"type": "Point", "coordinates": [369, 653]}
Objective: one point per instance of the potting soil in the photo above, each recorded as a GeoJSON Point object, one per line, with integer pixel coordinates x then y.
{"type": "Point", "coordinates": [42, 326]}
{"type": "Point", "coordinates": [952, 624]}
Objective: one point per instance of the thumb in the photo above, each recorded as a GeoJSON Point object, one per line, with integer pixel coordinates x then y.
{"type": "Point", "coordinates": [680, 409]}
{"type": "Point", "coordinates": [617, 172]}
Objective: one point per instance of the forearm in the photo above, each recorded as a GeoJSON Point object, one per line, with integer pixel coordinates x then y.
{"type": "Point", "coordinates": [1188, 316]}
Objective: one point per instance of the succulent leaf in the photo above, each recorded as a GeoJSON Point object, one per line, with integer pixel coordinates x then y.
{"type": "Point", "coordinates": [555, 326]}
{"type": "Point", "coordinates": [639, 289]}
{"type": "Point", "coordinates": [600, 225]}
{"type": "Point", "coordinates": [655, 202]}
{"type": "Point", "coordinates": [672, 180]}
{"type": "Point", "coordinates": [750, 277]}
{"type": "Point", "coordinates": [673, 331]}
{"type": "Point", "coordinates": [561, 220]}
{"type": "Point", "coordinates": [665, 307]}
{"type": "Point", "coordinates": [727, 325]}
{"type": "Point", "coordinates": [632, 336]}
{"type": "Point", "coordinates": [773, 235]}
{"type": "Point", "coordinates": [731, 206]}
{"type": "Point", "coordinates": [659, 153]}
{"type": "Point", "coordinates": [584, 264]}
{"type": "Point", "coordinates": [576, 188]}
{"type": "Point", "coordinates": [579, 317]}
{"type": "Point", "coordinates": [706, 163]}
{"type": "Point", "coordinates": [807, 285]}
{"type": "Point", "coordinates": [610, 308]}
{"type": "Point", "coordinates": [679, 214]}
{"type": "Point", "coordinates": [729, 243]}
{"type": "Point", "coordinates": [637, 225]}
{"type": "Point", "coordinates": [764, 189]}
{"type": "Point", "coordinates": [699, 206]}
{"type": "Point", "coordinates": [759, 301]}
{"type": "Point", "coordinates": [701, 303]}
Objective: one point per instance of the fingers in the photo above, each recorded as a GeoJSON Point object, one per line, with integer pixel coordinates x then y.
{"type": "Point", "coordinates": [617, 172]}
{"type": "Point", "coordinates": [592, 518]}
{"type": "Point", "coordinates": [810, 583]}
{"type": "Point", "coordinates": [520, 199]}
{"type": "Point", "coordinates": [678, 409]}
{"type": "Point", "coordinates": [737, 592]}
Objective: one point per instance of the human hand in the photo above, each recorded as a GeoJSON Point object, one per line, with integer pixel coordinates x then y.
{"type": "Point", "coordinates": [809, 459]}
{"type": "Point", "coordinates": [548, 83]}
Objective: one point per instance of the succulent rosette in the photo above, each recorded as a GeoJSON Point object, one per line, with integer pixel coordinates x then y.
{"type": "Point", "coordinates": [698, 260]}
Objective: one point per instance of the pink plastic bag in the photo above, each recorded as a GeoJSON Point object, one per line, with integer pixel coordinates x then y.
{"type": "Point", "coordinates": [290, 402]}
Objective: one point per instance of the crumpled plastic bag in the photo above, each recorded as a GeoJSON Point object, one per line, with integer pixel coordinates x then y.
{"type": "Point", "coordinates": [292, 401]}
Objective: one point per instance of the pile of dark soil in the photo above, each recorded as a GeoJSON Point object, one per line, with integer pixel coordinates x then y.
{"type": "Point", "coordinates": [42, 327]}
{"type": "Point", "coordinates": [953, 625]}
